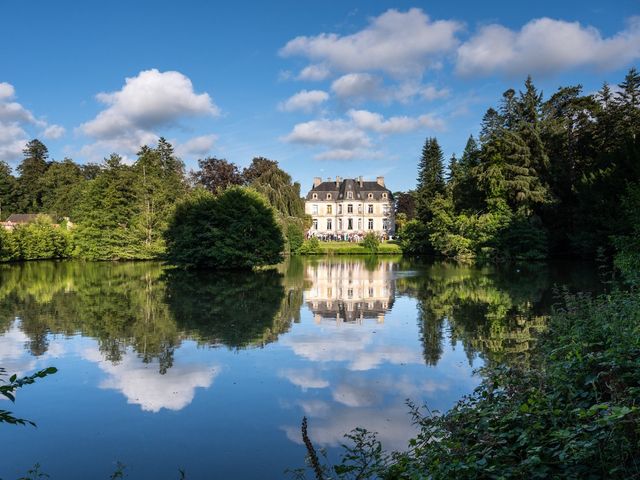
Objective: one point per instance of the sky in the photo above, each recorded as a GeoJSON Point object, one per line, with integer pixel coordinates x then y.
{"type": "Point", "coordinates": [327, 88]}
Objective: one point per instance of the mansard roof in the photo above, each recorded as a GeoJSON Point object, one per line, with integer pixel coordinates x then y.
{"type": "Point", "coordinates": [339, 188]}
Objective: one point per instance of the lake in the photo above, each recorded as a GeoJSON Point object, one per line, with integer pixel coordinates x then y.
{"type": "Point", "coordinates": [162, 369]}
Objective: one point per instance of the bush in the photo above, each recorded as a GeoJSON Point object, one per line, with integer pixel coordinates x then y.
{"type": "Point", "coordinates": [310, 247]}
{"type": "Point", "coordinates": [294, 233]}
{"type": "Point", "coordinates": [371, 242]}
{"type": "Point", "coordinates": [235, 230]}
{"type": "Point", "coordinates": [414, 239]}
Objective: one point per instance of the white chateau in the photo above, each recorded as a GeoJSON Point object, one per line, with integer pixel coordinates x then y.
{"type": "Point", "coordinates": [350, 206]}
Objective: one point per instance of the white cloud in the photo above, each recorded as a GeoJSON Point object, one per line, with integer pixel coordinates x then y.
{"type": "Point", "coordinates": [304, 378]}
{"type": "Point", "coordinates": [306, 101]}
{"type": "Point", "coordinates": [545, 45]}
{"type": "Point", "coordinates": [314, 73]}
{"type": "Point", "coordinates": [197, 146]}
{"type": "Point", "coordinates": [334, 133]}
{"type": "Point", "coordinates": [16, 124]}
{"type": "Point", "coordinates": [348, 139]}
{"type": "Point", "coordinates": [147, 102]}
{"type": "Point", "coordinates": [376, 122]}
{"type": "Point", "coordinates": [395, 42]}
{"type": "Point", "coordinates": [142, 385]}
{"type": "Point", "coordinates": [358, 86]}
{"type": "Point", "coordinates": [53, 131]}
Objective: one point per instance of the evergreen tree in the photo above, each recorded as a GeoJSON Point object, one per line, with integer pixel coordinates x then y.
{"type": "Point", "coordinates": [61, 188]}
{"type": "Point", "coordinates": [430, 178]}
{"type": "Point", "coordinates": [8, 186]}
{"type": "Point", "coordinates": [31, 169]}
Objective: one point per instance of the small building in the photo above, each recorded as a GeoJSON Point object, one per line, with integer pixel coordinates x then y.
{"type": "Point", "coordinates": [17, 219]}
{"type": "Point", "coordinates": [349, 206]}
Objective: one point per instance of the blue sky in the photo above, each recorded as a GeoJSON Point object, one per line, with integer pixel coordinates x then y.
{"type": "Point", "coordinates": [326, 88]}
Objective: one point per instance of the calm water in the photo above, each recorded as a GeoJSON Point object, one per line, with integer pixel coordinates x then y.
{"type": "Point", "coordinates": [213, 373]}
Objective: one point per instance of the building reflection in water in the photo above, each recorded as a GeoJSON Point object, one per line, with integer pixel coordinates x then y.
{"type": "Point", "coordinates": [350, 291]}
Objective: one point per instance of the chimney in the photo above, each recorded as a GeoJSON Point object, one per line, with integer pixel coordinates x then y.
{"type": "Point", "coordinates": [316, 181]}
{"type": "Point", "coordinates": [360, 181]}
{"type": "Point", "coordinates": [380, 181]}
{"type": "Point", "coordinates": [338, 180]}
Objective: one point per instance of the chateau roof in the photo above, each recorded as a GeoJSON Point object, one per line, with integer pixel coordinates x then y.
{"type": "Point", "coordinates": [339, 188]}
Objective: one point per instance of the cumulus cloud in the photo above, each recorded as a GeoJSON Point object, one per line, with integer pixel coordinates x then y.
{"type": "Point", "coordinates": [347, 139]}
{"type": "Point", "coordinates": [402, 124]}
{"type": "Point", "coordinates": [306, 101]}
{"type": "Point", "coordinates": [395, 42]}
{"type": "Point", "coordinates": [197, 146]}
{"type": "Point", "coordinates": [334, 133]}
{"type": "Point", "coordinates": [53, 131]}
{"type": "Point", "coordinates": [147, 102]}
{"type": "Point", "coordinates": [360, 87]}
{"type": "Point", "coordinates": [16, 122]}
{"type": "Point", "coordinates": [546, 45]}
{"type": "Point", "coordinates": [314, 73]}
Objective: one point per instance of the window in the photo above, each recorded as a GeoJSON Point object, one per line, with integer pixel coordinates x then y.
{"type": "Point", "coordinates": [328, 196]}
{"type": "Point", "coordinates": [339, 209]}
{"type": "Point", "coordinates": [370, 195]}
{"type": "Point", "coordinates": [359, 208]}
{"type": "Point", "coordinates": [359, 224]}
{"type": "Point", "coordinates": [370, 224]}
{"type": "Point", "coordinates": [314, 209]}
{"type": "Point", "coordinates": [385, 224]}
{"type": "Point", "coordinates": [329, 209]}
{"type": "Point", "coordinates": [314, 196]}
{"type": "Point", "coordinates": [349, 195]}
{"type": "Point", "coordinates": [329, 224]}
{"type": "Point", "coordinates": [339, 224]}
{"type": "Point", "coordinates": [350, 208]}
{"type": "Point", "coordinates": [315, 223]}
{"type": "Point", "coordinates": [384, 195]}
{"type": "Point", "coordinates": [350, 224]}
{"type": "Point", "coordinates": [386, 209]}
{"type": "Point", "coordinates": [370, 209]}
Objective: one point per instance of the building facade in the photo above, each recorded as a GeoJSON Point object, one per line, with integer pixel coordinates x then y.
{"type": "Point", "coordinates": [350, 206]}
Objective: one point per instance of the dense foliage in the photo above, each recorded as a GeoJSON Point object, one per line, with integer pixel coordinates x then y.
{"type": "Point", "coordinates": [236, 229]}
{"type": "Point", "coordinates": [120, 210]}
{"type": "Point", "coordinates": [545, 177]}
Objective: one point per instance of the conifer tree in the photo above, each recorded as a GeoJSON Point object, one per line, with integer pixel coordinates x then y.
{"type": "Point", "coordinates": [430, 178]}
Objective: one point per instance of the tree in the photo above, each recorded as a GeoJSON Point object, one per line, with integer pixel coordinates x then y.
{"type": "Point", "coordinates": [430, 178]}
{"type": "Point", "coordinates": [31, 169]}
{"type": "Point", "coordinates": [235, 230]}
{"type": "Point", "coordinates": [406, 204]}
{"type": "Point", "coordinates": [217, 174]}
{"type": "Point", "coordinates": [8, 185]}
{"type": "Point", "coordinates": [61, 187]}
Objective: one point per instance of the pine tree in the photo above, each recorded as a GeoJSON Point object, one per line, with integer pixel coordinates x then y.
{"type": "Point", "coordinates": [430, 178]}
{"type": "Point", "coordinates": [31, 170]}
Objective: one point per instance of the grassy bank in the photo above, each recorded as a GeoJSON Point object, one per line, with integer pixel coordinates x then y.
{"type": "Point", "coordinates": [575, 413]}
{"type": "Point", "coordinates": [347, 248]}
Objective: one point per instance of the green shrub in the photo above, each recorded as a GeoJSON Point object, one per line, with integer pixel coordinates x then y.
{"type": "Point", "coordinates": [294, 234]}
{"type": "Point", "coordinates": [235, 230]}
{"type": "Point", "coordinates": [310, 247]}
{"type": "Point", "coordinates": [414, 239]}
{"type": "Point", "coordinates": [371, 242]}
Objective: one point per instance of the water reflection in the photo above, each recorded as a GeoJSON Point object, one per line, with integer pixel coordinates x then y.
{"type": "Point", "coordinates": [350, 290]}
{"type": "Point", "coordinates": [343, 341]}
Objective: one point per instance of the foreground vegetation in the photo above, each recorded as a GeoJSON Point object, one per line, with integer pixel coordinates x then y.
{"type": "Point", "coordinates": [346, 248]}
{"type": "Point", "coordinates": [572, 411]}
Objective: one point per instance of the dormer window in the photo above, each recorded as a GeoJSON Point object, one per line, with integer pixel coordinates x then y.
{"type": "Point", "coordinates": [314, 196]}
{"type": "Point", "coordinates": [370, 195]}
{"type": "Point", "coordinates": [349, 195]}
{"type": "Point", "coordinates": [328, 196]}
{"type": "Point", "coordinates": [384, 195]}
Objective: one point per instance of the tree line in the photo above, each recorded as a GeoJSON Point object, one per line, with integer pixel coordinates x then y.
{"type": "Point", "coordinates": [124, 210]}
{"type": "Point", "coordinates": [545, 177]}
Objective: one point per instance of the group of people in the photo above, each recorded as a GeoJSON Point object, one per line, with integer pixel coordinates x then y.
{"type": "Point", "coordinates": [343, 237]}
